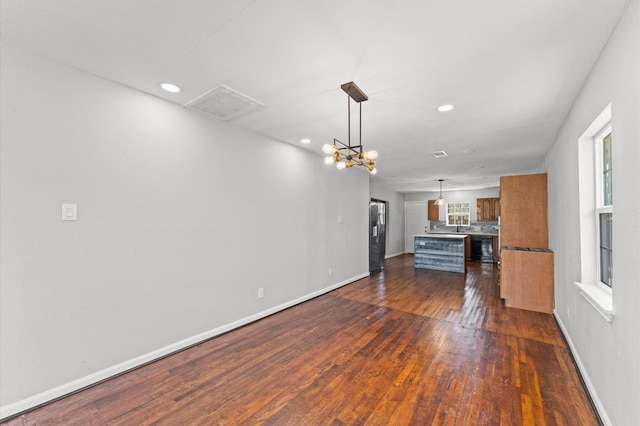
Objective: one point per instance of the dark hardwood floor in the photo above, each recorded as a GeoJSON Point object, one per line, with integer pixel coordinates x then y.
{"type": "Point", "coordinates": [402, 347]}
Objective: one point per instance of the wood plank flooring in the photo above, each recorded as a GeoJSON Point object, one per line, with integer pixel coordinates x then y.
{"type": "Point", "coordinates": [402, 347]}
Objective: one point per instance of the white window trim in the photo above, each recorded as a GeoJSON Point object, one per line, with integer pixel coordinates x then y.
{"type": "Point", "coordinates": [600, 207]}
{"type": "Point", "coordinates": [599, 295]}
{"type": "Point", "coordinates": [468, 214]}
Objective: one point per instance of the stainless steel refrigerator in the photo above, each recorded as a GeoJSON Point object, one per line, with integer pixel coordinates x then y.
{"type": "Point", "coordinates": [377, 234]}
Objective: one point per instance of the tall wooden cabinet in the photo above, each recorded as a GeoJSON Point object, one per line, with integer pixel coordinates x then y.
{"type": "Point", "coordinates": [526, 263]}
{"type": "Point", "coordinates": [523, 211]}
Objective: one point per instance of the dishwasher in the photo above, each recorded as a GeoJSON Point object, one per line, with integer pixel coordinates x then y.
{"type": "Point", "coordinates": [482, 248]}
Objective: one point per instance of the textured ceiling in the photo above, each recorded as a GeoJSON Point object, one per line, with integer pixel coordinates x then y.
{"type": "Point", "coordinates": [511, 68]}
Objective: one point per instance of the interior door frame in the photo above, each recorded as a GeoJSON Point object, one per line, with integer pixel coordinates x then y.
{"type": "Point", "coordinates": [406, 222]}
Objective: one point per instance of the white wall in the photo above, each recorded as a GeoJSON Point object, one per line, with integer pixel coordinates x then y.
{"type": "Point", "coordinates": [181, 218]}
{"type": "Point", "coordinates": [395, 216]}
{"type": "Point", "coordinates": [607, 353]}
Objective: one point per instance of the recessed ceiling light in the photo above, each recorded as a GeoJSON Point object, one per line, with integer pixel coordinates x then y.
{"type": "Point", "coordinates": [305, 140]}
{"type": "Point", "coordinates": [444, 108]}
{"type": "Point", "coordinates": [170, 87]}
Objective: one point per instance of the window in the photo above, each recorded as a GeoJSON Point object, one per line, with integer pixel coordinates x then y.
{"type": "Point", "coordinates": [458, 214]}
{"type": "Point", "coordinates": [595, 170]}
{"type": "Point", "coordinates": [604, 205]}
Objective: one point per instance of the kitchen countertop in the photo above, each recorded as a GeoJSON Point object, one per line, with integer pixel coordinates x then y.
{"type": "Point", "coordinates": [438, 235]}
{"type": "Point", "coordinates": [545, 250]}
{"type": "Point", "coordinates": [488, 234]}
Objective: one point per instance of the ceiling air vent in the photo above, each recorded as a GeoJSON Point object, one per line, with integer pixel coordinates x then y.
{"type": "Point", "coordinates": [440, 154]}
{"type": "Point", "coordinates": [224, 103]}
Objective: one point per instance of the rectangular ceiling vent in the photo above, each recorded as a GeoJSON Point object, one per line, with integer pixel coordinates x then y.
{"type": "Point", "coordinates": [224, 103]}
{"type": "Point", "coordinates": [440, 154]}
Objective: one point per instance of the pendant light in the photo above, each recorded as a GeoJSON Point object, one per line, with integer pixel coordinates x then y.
{"type": "Point", "coordinates": [347, 155]}
{"type": "Point", "coordinates": [440, 200]}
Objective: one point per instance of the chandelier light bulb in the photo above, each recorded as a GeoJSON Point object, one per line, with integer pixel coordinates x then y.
{"type": "Point", "coordinates": [328, 149]}
{"type": "Point", "coordinates": [373, 170]}
{"type": "Point", "coordinates": [341, 165]}
{"type": "Point", "coordinates": [372, 155]}
{"type": "Point", "coordinates": [329, 160]}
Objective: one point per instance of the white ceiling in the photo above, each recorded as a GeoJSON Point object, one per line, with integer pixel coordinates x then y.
{"type": "Point", "coordinates": [512, 68]}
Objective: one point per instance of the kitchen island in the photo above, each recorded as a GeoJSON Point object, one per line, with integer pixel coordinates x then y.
{"type": "Point", "coordinates": [442, 252]}
{"type": "Point", "coordinates": [480, 246]}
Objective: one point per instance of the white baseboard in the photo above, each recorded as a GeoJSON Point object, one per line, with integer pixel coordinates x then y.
{"type": "Point", "coordinates": [389, 256]}
{"type": "Point", "coordinates": [83, 382]}
{"type": "Point", "coordinates": [583, 372]}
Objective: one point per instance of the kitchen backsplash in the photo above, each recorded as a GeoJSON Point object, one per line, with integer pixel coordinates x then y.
{"type": "Point", "coordinates": [489, 227]}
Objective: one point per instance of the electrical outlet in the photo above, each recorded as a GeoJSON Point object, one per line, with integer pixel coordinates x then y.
{"type": "Point", "coordinates": [567, 312]}
{"type": "Point", "coordinates": [260, 293]}
{"type": "Point", "coordinates": [330, 271]}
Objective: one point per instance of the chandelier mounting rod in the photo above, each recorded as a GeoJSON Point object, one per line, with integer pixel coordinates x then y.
{"type": "Point", "coordinates": [357, 95]}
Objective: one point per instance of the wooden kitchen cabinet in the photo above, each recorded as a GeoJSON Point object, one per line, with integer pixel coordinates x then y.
{"type": "Point", "coordinates": [488, 209]}
{"type": "Point", "coordinates": [467, 247]}
{"type": "Point", "coordinates": [433, 210]}
{"type": "Point", "coordinates": [523, 211]}
{"type": "Point", "coordinates": [526, 263]}
{"type": "Point", "coordinates": [526, 279]}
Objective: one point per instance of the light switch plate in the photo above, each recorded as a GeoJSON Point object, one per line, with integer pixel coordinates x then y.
{"type": "Point", "coordinates": [69, 212]}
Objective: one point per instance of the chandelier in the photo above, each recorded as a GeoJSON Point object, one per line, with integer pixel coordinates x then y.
{"type": "Point", "coordinates": [347, 155]}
